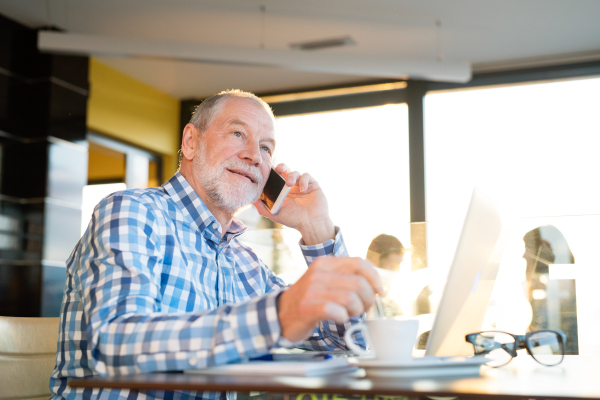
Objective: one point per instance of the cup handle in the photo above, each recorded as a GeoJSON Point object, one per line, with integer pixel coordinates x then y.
{"type": "Point", "coordinates": [350, 343]}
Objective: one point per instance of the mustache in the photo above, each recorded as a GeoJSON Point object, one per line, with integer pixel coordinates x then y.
{"type": "Point", "coordinates": [251, 170]}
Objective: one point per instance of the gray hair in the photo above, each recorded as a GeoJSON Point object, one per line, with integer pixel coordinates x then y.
{"type": "Point", "coordinates": [207, 110]}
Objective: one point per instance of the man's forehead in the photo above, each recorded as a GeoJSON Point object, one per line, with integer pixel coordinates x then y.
{"type": "Point", "coordinates": [245, 107]}
{"type": "Point", "coordinates": [265, 124]}
{"type": "Point", "coordinates": [247, 114]}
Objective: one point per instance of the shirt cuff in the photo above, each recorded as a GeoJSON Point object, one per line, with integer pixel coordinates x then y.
{"type": "Point", "coordinates": [332, 247]}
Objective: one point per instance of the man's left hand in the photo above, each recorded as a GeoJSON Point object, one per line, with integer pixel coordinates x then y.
{"type": "Point", "coordinates": [304, 209]}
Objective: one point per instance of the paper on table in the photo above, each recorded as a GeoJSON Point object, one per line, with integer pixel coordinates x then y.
{"type": "Point", "coordinates": [282, 368]}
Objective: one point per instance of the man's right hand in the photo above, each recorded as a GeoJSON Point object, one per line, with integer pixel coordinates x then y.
{"type": "Point", "coordinates": [333, 288]}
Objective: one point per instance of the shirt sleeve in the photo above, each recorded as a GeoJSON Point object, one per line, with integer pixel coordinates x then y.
{"type": "Point", "coordinates": [328, 335]}
{"type": "Point", "coordinates": [118, 278]}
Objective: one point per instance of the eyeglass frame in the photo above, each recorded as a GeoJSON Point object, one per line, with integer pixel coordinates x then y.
{"type": "Point", "coordinates": [521, 342]}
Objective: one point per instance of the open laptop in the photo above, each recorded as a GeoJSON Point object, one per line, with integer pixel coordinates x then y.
{"type": "Point", "coordinates": [470, 280]}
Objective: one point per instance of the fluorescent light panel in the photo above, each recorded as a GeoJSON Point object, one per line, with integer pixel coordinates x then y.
{"type": "Point", "coordinates": [316, 94]}
{"type": "Point", "coordinates": [312, 61]}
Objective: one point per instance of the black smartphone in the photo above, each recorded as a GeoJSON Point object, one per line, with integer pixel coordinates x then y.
{"type": "Point", "coordinates": [274, 192]}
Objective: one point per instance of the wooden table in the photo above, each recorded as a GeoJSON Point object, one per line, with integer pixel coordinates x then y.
{"type": "Point", "coordinates": [577, 377]}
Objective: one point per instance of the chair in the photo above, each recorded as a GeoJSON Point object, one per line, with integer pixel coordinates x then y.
{"type": "Point", "coordinates": [27, 356]}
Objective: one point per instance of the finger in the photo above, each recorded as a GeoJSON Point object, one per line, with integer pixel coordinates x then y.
{"type": "Point", "coordinates": [332, 281]}
{"type": "Point", "coordinates": [292, 178]}
{"type": "Point", "coordinates": [282, 169]}
{"type": "Point", "coordinates": [352, 265]}
{"type": "Point", "coordinates": [262, 208]}
{"type": "Point", "coordinates": [347, 299]}
{"type": "Point", "coordinates": [326, 310]}
{"type": "Point", "coordinates": [304, 181]}
{"type": "Point", "coordinates": [359, 285]}
{"type": "Point", "coordinates": [336, 313]}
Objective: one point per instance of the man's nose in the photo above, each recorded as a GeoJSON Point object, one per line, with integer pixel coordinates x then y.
{"type": "Point", "coordinates": [251, 153]}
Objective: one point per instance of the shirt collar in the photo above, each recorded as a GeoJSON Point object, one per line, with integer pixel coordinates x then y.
{"type": "Point", "coordinates": [189, 202]}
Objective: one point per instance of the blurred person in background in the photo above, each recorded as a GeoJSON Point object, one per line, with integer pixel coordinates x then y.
{"type": "Point", "coordinates": [553, 301]}
{"type": "Point", "coordinates": [386, 252]}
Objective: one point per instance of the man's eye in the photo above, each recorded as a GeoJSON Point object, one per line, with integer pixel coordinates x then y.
{"type": "Point", "coordinates": [238, 134]}
{"type": "Point", "coordinates": [268, 150]}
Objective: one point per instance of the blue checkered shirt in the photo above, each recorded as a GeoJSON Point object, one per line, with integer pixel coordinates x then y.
{"type": "Point", "coordinates": [151, 286]}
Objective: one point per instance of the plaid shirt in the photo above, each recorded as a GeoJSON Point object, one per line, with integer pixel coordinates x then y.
{"type": "Point", "coordinates": [151, 286]}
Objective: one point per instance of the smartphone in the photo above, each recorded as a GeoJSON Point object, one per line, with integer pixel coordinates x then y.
{"type": "Point", "coordinates": [274, 192]}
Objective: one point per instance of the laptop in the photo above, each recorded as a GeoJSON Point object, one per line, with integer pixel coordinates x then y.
{"type": "Point", "coordinates": [470, 280]}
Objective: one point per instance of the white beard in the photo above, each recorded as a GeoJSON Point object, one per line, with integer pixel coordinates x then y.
{"type": "Point", "coordinates": [227, 196]}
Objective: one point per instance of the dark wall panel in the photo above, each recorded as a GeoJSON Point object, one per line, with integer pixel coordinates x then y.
{"type": "Point", "coordinates": [66, 113]}
{"type": "Point", "coordinates": [24, 168]}
{"type": "Point", "coordinates": [12, 35]}
{"type": "Point", "coordinates": [70, 69]}
{"type": "Point", "coordinates": [5, 83]}
{"type": "Point", "coordinates": [43, 168]}
{"type": "Point", "coordinates": [20, 286]}
{"type": "Point", "coordinates": [40, 108]}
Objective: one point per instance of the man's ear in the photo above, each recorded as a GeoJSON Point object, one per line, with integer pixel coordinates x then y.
{"type": "Point", "coordinates": [189, 142]}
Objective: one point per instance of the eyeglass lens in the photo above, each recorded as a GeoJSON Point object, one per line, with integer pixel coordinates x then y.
{"type": "Point", "coordinates": [546, 347]}
{"type": "Point", "coordinates": [496, 346]}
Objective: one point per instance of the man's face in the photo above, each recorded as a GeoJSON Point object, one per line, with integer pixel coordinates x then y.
{"type": "Point", "coordinates": [234, 155]}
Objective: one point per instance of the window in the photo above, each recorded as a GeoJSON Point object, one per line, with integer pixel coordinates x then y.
{"type": "Point", "coordinates": [533, 148]}
{"type": "Point", "coordinates": [114, 166]}
{"type": "Point", "coordinates": [360, 159]}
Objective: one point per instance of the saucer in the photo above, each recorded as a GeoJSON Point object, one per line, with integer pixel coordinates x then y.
{"type": "Point", "coordinates": [419, 362]}
{"type": "Point", "coordinates": [421, 367]}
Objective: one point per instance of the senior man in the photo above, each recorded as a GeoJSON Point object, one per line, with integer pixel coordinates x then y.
{"type": "Point", "coordinates": [160, 282]}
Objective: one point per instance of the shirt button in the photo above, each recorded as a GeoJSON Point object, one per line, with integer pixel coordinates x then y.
{"type": "Point", "coordinates": [193, 361]}
{"type": "Point", "coordinates": [214, 225]}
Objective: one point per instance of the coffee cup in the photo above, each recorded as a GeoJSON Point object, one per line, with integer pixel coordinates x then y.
{"type": "Point", "coordinates": [389, 339]}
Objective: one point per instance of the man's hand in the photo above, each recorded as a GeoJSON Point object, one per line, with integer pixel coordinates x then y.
{"type": "Point", "coordinates": [333, 288]}
{"type": "Point", "coordinates": [304, 209]}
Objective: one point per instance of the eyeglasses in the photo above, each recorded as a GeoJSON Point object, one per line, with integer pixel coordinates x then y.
{"type": "Point", "coordinates": [546, 347]}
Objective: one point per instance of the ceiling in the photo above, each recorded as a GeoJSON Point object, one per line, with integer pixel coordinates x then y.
{"type": "Point", "coordinates": [488, 34]}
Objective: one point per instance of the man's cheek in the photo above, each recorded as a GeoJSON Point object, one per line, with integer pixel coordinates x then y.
{"type": "Point", "coordinates": [261, 187]}
{"type": "Point", "coordinates": [265, 173]}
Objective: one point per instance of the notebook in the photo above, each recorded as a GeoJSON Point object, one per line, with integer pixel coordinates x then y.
{"type": "Point", "coordinates": [310, 368]}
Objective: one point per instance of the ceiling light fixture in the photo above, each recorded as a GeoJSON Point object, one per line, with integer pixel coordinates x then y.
{"type": "Point", "coordinates": [318, 94]}
{"type": "Point", "coordinates": [263, 17]}
{"type": "Point", "coordinates": [324, 44]}
{"type": "Point", "coordinates": [389, 65]}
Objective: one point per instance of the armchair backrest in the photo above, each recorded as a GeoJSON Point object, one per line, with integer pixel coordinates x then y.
{"type": "Point", "coordinates": [27, 356]}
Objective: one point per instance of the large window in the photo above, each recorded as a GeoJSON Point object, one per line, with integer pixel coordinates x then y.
{"type": "Point", "coordinates": [534, 149]}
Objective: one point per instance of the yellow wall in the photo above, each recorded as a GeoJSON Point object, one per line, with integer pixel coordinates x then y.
{"type": "Point", "coordinates": [127, 109]}
{"type": "Point", "coordinates": [105, 164]}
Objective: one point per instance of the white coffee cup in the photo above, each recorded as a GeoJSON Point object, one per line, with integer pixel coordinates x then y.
{"type": "Point", "coordinates": [390, 339]}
